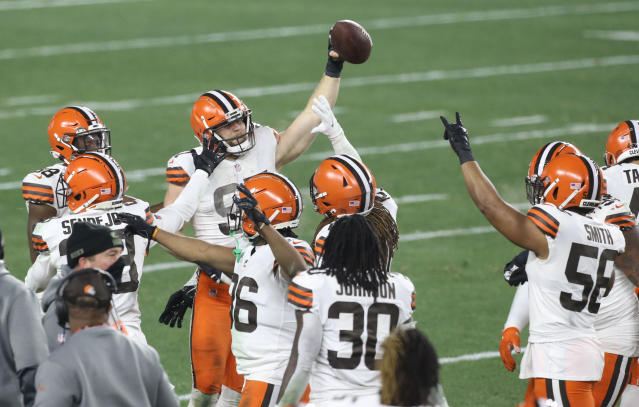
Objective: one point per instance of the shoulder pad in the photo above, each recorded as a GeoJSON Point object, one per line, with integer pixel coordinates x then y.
{"type": "Point", "coordinates": [544, 217]}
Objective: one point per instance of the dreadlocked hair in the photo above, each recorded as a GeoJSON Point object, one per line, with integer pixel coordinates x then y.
{"type": "Point", "coordinates": [386, 229]}
{"type": "Point", "coordinates": [353, 254]}
{"type": "Point", "coordinates": [409, 369]}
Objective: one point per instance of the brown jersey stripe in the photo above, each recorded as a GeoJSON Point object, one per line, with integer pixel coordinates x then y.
{"type": "Point", "coordinates": [37, 192]}
{"type": "Point", "coordinates": [36, 187]}
{"type": "Point", "coordinates": [542, 226]}
{"type": "Point", "coordinates": [37, 199]}
{"type": "Point", "coordinates": [300, 293]}
{"type": "Point", "coordinates": [546, 216]}
{"type": "Point", "coordinates": [299, 302]}
{"type": "Point", "coordinates": [309, 260]}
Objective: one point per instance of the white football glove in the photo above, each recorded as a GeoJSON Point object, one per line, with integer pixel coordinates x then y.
{"type": "Point", "coordinates": [329, 125]}
{"type": "Point", "coordinates": [614, 211]}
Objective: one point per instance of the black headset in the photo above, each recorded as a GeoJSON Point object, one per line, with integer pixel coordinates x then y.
{"type": "Point", "coordinates": [61, 310]}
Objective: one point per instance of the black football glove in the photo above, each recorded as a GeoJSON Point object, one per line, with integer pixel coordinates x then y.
{"type": "Point", "coordinates": [177, 305]}
{"type": "Point", "coordinates": [457, 135]}
{"type": "Point", "coordinates": [213, 153]}
{"type": "Point", "coordinates": [515, 270]}
{"type": "Point", "coordinates": [333, 66]}
{"type": "Point", "coordinates": [136, 225]}
{"type": "Point", "coordinates": [248, 205]}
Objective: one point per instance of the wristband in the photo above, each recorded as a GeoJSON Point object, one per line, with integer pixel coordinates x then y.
{"type": "Point", "coordinates": [465, 156]}
{"type": "Point", "coordinates": [155, 232]}
{"type": "Point", "coordinates": [334, 67]}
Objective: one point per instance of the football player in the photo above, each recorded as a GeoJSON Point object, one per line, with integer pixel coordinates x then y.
{"type": "Point", "coordinates": [344, 310]}
{"type": "Point", "coordinates": [622, 175]}
{"type": "Point", "coordinates": [96, 185]}
{"type": "Point", "coordinates": [343, 185]}
{"type": "Point", "coordinates": [73, 130]}
{"type": "Point", "coordinates": [617, 323]}
{"type": "Point", "coordinates": [220, 117]}
{"type": "Point", "coordinates": [569, 266]}
{"type": "Point", "coordinates": [261, 265]}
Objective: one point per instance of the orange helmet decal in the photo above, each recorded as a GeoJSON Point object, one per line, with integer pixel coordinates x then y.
{"type": "Point", "coordinates": [94, 180]}
{"type": "Point", "coordinates": [622, 143]}
{"type": "Point", "coordinates": [217, 109]}
{"type": "Point", "coordinates": [571, 180]}
{"type": "Point", "coordinates": [277, 197]}
{"type": "Point", "coordinates": [342, 185]}
{"type": "Point", "coordinates": [76, 130]}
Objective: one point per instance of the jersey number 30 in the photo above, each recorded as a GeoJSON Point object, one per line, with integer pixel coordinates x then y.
{"type": "Point", "coordinates": [354, 335]}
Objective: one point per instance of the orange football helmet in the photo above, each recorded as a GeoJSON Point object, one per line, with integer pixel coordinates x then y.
{"type": "Point", "coordinates": [216, 109]}
{"type": "Point", "coordinates": [543, 157]}
{"type": "Point", "coordinates": [94, 181]}
{"type": "Point", "coordinates": [342, 185]}
{"type": "Point", "coordinates": [277, 197]}
{"type": "Point", "coordinates": [570, 181]}
{"type": "Point", "coordinates": [622, 143]}
{"type": "Point", "coordinates": [75, 130]}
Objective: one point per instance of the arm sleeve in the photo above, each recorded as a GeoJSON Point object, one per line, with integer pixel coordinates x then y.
{"type": "Point", "coordinates": [518, 314]}
{"type": "Point", "coordinates": [26, 334]}
{"type": "Point", "coordinates": [40, 272]}
{"type": "Point", "coordinates": [306, 347]}
{"type": "Point", "coordinates": [173, 217]}
{"type": "Point", "coordinates": [55, 386]}
{"type": "Point", "coordinates": [341, 145]}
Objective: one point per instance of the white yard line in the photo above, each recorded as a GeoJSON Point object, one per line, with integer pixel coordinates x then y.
{"type": "Point", "coordinates": [420, 198]}
{"type": "Point", "coordinates": [416, 116]}
{"type": "Point", "coordinates": [405, 78]}
{"type": "Point", "coordinates": [30, 5]}
{"type": "Point", "coordinates": [29, 100]}
{"type": "Point", "coordinates": [519, 121]}
{"type": "Point", "coordinates": [296, 31]}
{"type": "Point", "coordinates": [613, 35]}
{"type": "Point", "coordinates": [563, 132]}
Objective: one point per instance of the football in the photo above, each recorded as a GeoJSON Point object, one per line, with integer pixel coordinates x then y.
{"type": "Point", "coordinates": [351, 41]}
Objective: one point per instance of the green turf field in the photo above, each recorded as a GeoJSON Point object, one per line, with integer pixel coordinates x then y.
{"type": "Point", "coordinates": [522, 74]}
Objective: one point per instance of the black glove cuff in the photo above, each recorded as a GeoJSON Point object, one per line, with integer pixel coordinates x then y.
{"type": "Point", "coordinates": [334, 67]}
{"type": "Point", "coordinates": [464, 156]}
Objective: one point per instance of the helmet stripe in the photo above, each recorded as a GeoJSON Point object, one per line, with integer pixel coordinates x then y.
{"type": "Point", "coordinates": [117, 173]}
{"type": "Point", "coordinates": [222, 100]}
{"type": "Point", "coordinates": [87, 113]}
{"type": "Point", "coordinates": [229, 97]}
{"type": "Point", "coordinates": [296, 192]}
{"type": "Point", "coordinates": [547, 153]}
{"type": "Point", "coordinates": [362, 177]}
{"type": "Point", "coordinates": [594, 183]}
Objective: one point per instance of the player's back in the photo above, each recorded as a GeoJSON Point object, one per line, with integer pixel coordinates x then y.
{"type": "Point", "coordinates": [565, 289]}
{"type": "Point", "coordinates": [263, 323]}
{"type": "Point", "coordinates": [354, 326]}
{"type": "Point", "coordinates": [617, 323]}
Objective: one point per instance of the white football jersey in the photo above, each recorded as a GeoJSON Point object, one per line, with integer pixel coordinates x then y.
{"type": "Point", "coordinates": [354, 325]}
{"type": "Point", "coordinates": [565, 291]}
{"type": "Point", "coordinates": [50, 238]}
{"type": "Point", "coordinates": [209, 221]}
{"type": "Point", "coordinates": [320, 238]}
{"type": "Point", "coordinates": [617, 323]}
{"type": "Point", "coordinates": [263, 324]}
{"type": "Point", "coordinates": [46, 187]}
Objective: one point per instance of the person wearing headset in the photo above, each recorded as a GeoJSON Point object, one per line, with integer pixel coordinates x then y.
{"type": "Point", "coordinates": [98, 365]}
